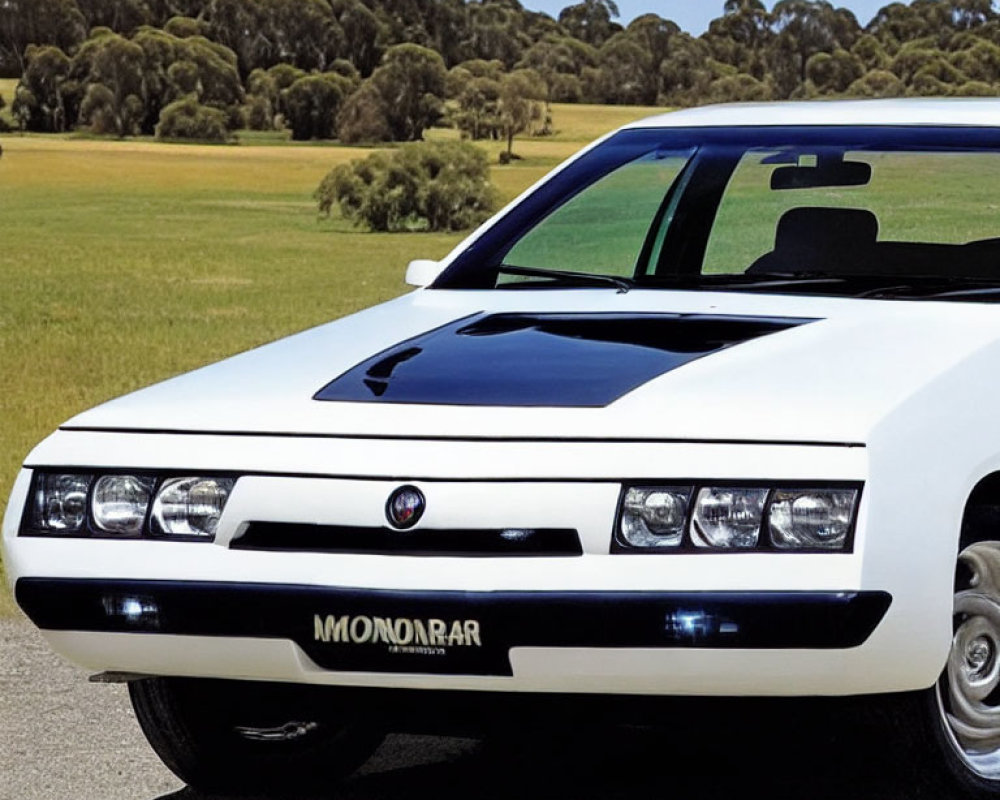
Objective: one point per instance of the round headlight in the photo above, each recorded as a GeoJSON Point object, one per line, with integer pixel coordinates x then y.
{"type": "Point", "coordinates": [727, 517]}
{"type": "Point", "coordinates": [190, 506]}
{"type": "Point", "coordinates": [61, 502]}
{"type": "Point", "coordinates": [654, 517]}
{"type": "Point", "coordinates": [811, 518]}
{"type": "Point", "coordinates": [120, 503]}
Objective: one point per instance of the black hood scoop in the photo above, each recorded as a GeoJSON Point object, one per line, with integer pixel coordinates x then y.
{"type": "Point", "coordinates": [569, 360]}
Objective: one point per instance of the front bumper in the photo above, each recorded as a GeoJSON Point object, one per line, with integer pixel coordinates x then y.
{"type": "Point", "coordinates": [452, 633]}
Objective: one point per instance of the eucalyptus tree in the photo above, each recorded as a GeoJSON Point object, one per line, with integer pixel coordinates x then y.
{"type": "Point", "coordinates": [560, 61]}
{"type": "Point", "coordinates": [41, 22]}
{"type": "Point", "coordinates": [175, 67]}
{"type": "Point", "coordinates": [626, 72]}
{"type": "Point", "coordinates": [112, 70]}
{"type": "Point", "coordinates": [364, 118]}
{"type": "Point", "coordinates": [968, 14]}
{"type": "Point", "coordinates": [40, 97]}
{"type": "Point", "coordinates": [121, 16]}
{"type": "Point", "coordinates": [803, 28]}
{"type": "Point", "coordinates": [477, 114]}
{"type": "Point", "coordinates": [411, 81]}
{"type": "Point", "coordinates": [302, 32]}
{"type": "Point", "coordinates": [493, 33]}
{"type": "Point", "coordinates": [519, 104]}
{"type": "Point", "coordinates": [741, 36]}
{"type": "Point", "coordinates": [313, 102]}
{"type": "Point", "coordinates": [687, 72]}
{"type": "Point", "coordinates": [591, 20]}
{"type": "Point", "coordinates": [979, 61]}
{"type": "Point", "coordinates": [362, 34]}
{"type": "Point", "coordinates": [832, 73]}
{"type": "Point", "coordinates": [653, 33]}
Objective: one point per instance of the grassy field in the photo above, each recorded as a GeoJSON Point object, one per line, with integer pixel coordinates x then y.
{"type": "Point", "coordinates": [123, 263]}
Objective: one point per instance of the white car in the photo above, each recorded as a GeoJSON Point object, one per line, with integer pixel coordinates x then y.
{"type": "Point", "coordinates": [709, 411]}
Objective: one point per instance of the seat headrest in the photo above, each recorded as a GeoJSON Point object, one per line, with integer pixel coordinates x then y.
{"type": "Point", "coordinates": [818, 229]}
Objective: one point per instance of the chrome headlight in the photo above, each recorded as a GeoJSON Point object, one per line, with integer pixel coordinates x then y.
{"type": "Point", "coordinates": [126, 505]}
{"type": "Point", "coordinates": [60, 503]}
{"type": "Point", "coordinates": [120, 502]}
{"type": "Point", "coordinates": [811, 518]}
{"type": "Point", "coordinates": [654, 517]}
{"type": "Point", "coordinates": [725, 518]}
{"type": "Point", "coordinates": [190, 506]}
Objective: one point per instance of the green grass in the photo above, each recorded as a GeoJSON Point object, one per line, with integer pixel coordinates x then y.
{"type": "Point", "coordinates": [126, 262]}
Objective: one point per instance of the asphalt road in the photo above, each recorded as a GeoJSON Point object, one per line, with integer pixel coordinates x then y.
{"type": "Point", "coordinates": [62, 738]}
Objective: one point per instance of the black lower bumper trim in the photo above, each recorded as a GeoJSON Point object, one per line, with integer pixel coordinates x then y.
{"type": "Point", "coordinates": [452, 632]}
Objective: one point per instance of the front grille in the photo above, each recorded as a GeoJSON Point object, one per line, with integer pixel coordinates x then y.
{"type": "Point", "coordinates": [294, 537]}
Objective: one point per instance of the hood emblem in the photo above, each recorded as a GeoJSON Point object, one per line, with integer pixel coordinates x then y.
{"type": "Point", "coordinates": [405, 506]}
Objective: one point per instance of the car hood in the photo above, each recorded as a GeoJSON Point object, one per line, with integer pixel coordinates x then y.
{"type": "Point", "coordinates": [581, 364]}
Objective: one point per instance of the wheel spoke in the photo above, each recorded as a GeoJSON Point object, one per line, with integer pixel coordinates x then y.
{"type": "Point", "coordinates": [968, 695]}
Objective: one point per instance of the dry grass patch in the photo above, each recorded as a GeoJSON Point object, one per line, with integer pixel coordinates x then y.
{"type": "Point", "coordinates": [584, 123]}
{"type": "Point", "coordinates": [7, 606]}
{"type": "Point", "coordinates": [7, 87]}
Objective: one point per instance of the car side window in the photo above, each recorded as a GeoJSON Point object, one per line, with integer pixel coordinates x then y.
{"type": "Point", "coordinates": [601, 229]}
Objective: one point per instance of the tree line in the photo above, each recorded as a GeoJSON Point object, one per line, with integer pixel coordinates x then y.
{"type": "Point", "coordinates": [377, 70]}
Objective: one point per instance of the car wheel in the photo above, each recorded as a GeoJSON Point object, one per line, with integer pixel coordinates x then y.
{"type": "Point", "coordinates": [230, 737]}
{"type": "Point", "coordinates": [949, 735]}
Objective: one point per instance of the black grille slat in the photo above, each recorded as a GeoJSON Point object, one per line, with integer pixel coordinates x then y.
{"type": "Point", "coordinates": [298, 537]}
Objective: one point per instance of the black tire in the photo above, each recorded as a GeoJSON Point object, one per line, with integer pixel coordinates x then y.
{"type": "Point", "coordinates": [929, 761]}
{"type": "Point", "coordinates": [236, 737]}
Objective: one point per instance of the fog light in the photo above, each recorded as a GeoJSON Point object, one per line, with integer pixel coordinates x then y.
{"type": "Point", "coordinates": [654, 516]}
{"type": "Point", "coordinates": [60, 502]}
{"type": "Point", "coordinates": [516, 534]}
{"type": "Point", "coordinates": [698, 625]}
{"type": "Point", "coordinates": [190, 506]}
{"type": "Point", "coordinates": [133, 611]}
{"type": "Point", "coordinates": [728, 518]}
{"type": "Point", "coordinates": [811, 518]}
{"type": "Point", "coordinates": [120, 503]}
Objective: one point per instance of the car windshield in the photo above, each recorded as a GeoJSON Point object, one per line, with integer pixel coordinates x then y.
{"type": "Point", "coordinates": [875, 211]}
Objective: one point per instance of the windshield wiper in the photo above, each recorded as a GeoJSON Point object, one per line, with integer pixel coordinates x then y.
{"type": "Point", "coordinates": [767, 280]}
{"type": "Point", "coordinates": [737, 280]}
{"type": "Point", "coordinates": [567, 276]}
{"type": "Point", "coordinates": [932, 287]}
{"type": "Point", "coordinates": [981, 291]}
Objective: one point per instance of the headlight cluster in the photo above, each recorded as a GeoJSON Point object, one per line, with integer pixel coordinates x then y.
{"type": "Point", "coordinates": [127, 505]}
{"type": "Point", "coordinates": [671, 518]}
